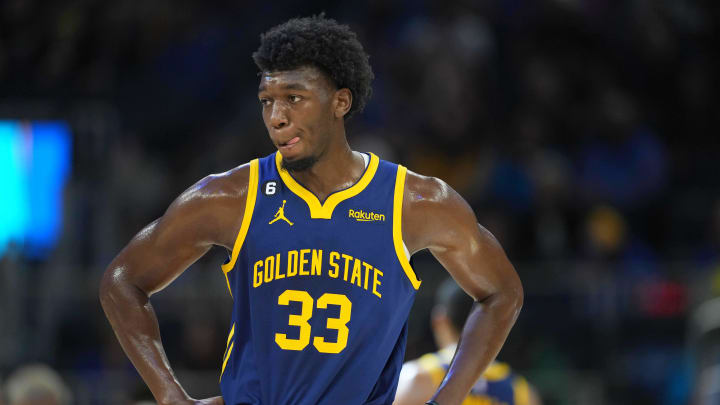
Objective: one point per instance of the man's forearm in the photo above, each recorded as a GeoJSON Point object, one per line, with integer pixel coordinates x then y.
{"type": "Point", "coordinates": [133, 319]}
{"type": "Point", "coordinates": [482, 337]}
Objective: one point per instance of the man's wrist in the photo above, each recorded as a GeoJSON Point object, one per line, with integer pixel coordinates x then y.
{"type": "Point", "coordinates": [176, 396]}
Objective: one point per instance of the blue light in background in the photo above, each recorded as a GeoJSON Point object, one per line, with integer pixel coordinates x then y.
{"type": "Point", "coordinates": [34, 166]}
{"type": "Point", "coordinates": [13, 203]}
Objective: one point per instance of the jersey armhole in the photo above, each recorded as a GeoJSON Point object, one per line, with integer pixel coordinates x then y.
{"type": "Point", "coordinates": [400, 248]}
{"type": "Point", "coordinates": [247, 216]}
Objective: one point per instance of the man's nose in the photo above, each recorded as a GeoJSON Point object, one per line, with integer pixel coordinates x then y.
{"type": "Point", "coordinates": [278, 116]}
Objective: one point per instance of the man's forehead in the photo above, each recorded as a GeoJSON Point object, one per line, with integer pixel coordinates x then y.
{"type": "Point", "coordinates": [302, 78]}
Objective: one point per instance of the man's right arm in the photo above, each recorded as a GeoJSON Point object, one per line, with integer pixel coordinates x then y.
{"type": "Point", "coordinates": [208, 213]}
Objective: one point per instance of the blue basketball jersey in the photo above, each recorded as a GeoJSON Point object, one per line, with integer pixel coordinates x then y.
{"type": "Point", "coordinates": [498, 385]}
{"type": "Point", "coordinates": [321, 291]}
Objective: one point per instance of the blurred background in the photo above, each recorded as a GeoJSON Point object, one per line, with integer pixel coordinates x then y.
{"type": "Point", "coordinates": [584, 133]}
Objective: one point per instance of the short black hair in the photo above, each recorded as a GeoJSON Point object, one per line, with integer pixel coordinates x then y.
{"type": "Point", "coordinates": [455, 302]}
{"type": "Point", "coordinates": [323, 43]}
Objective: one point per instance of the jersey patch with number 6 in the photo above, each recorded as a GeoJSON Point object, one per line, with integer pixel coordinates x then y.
{"type": "Point", "coordinates": [269, 188]}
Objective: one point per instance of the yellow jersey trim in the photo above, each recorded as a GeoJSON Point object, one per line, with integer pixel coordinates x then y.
{"type": "Point", "coordinates": [521, 391]}
{"type": "Point", "coordinates": [230, 336]}
{"type": "Point", "coordinates": [397, 227]}
{"type": "Point", "coordinates": [325, 210]}
{"type": "Point", "coordinates": [430, 363]}
{"type": "Point", "coordinates": [247, 216]}
{"type": "Point", "coordinates": [228, 350]}
{"type": "Point", "coordinates": [497, 371]}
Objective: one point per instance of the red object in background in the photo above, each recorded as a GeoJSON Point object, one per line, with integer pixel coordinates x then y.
{"type": "Point", "coordinates": [662, 299]}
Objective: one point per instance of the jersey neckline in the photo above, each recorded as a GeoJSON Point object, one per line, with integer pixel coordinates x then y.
{"type": "Point", "coordinates": [325, 209]}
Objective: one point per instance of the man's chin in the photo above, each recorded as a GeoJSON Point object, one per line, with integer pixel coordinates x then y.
{"type": "Point", "coordinates": [298, 164]}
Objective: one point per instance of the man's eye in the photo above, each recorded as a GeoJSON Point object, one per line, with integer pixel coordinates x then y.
{"type": "Point", "coordinates": [264, 101]}
{"type": "Point", "coordinates": [295, 99]}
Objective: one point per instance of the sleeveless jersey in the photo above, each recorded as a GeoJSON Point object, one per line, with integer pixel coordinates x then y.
{"type": "Point", "coordinates": [321, 291]}
{"type": "Point", "coordinates": [497, 386]}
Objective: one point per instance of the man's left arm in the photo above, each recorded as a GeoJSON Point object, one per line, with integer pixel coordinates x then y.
{"type": "Point", "coordinates": [437, 218]}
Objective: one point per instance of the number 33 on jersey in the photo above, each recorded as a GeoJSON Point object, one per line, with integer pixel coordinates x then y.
{"type": "Point", "coordinates": [340, 323]}
{"type": "Point", "coordinates": [321, 291]}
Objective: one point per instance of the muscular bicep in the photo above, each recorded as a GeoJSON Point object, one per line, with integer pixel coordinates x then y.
{"type": "Point", "coordinates": [158, 254]}
{"type": "Point", "coordinates": [203, 216]}
{"type": "Point", "coordinates": [476, 261]}
{"type": "Point", "coordinates": [440, 220]}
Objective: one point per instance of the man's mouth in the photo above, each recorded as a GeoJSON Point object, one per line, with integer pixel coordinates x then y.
{"type": "Point", "coordinates": [289, 143]}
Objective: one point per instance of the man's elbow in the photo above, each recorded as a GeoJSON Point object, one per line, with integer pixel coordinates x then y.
{"type": "Point", "coordinates": [518, 293]}
{"type": "Point", "coordinates": [515, 297]}
{"type": "Point", "coordinates": [105, 290]}
{"type": "Point", "coordinates": [113, 287]}
{"type": "Point", "coordinates": [509, 299]}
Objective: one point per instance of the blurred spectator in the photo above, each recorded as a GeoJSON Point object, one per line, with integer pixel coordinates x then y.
{"type": "Point", "coordinates": [707, 254]}
{"type": "Point", "coordinates": [623, 162]}
{"type": "Point", "coordinates": [609, 242]}
{"type": "Point", "coordinates": [420, 378]}
{"type": "Point", "coordinates": [606, 232]}
{"type": "Point", "coordinates": [37, 384]}
{"type": "Point", "coordinates": [705, 334]}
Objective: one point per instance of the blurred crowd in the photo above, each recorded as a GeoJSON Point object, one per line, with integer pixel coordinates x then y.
{"type": "Point", "coordinates": [580, 131]}
{"type": "Point", "coordinates": [37, 384]}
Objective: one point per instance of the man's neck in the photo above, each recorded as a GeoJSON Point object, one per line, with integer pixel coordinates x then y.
{"type": "Point", "coordinates": [337, 169]}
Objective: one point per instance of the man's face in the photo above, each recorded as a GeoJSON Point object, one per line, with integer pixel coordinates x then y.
{"type": "Point", "coordinates": [297, 108]}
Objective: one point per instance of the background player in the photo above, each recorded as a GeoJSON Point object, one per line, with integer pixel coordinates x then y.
{"type": "Point", "coordinates": [420, 378]}
{"type": "Point", "coordinates": [314, 75]}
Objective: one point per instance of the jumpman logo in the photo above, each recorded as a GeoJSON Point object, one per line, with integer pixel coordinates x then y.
{"type": "Point", "coordinates": [280, 214]}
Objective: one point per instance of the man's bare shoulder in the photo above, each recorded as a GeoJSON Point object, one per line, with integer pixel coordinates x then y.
{"type": "Point", "coordinates": [425, 190]}
{"type": "Point", "coordinates": [227, 187]}
{"type": "Point", "coordinates": [213, 206]}
{"type": "Point", "coordinates": [433, 213]}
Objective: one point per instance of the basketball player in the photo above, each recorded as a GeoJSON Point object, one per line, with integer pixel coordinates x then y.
{"type": "Point", "coordinates": [420, 378]}
{"type": "Point", "coordinates": [318, 239]}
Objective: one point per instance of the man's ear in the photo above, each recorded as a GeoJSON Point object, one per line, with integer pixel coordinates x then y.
{"type": "Point", "coordinates": [342, 102]}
